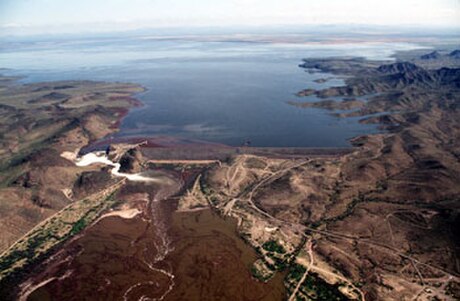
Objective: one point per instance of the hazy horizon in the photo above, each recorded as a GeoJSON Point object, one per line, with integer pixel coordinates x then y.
{"type": "Point", "coordinates": [26, 17]}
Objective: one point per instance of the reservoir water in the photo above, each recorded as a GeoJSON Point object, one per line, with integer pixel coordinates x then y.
{"type": "Point", "coordinates": [219, 91]}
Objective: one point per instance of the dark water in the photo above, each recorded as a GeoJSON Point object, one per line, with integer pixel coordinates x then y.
{"type": "Point", "coordinates": [226, 92]}
{"type": "Point", "coordinates": [114, 260]}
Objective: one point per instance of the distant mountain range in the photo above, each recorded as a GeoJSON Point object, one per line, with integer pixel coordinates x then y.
{"type": "Point", "coordinates": [436, 55]}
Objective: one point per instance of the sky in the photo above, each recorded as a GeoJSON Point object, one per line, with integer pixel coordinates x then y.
{"type": "Point", "coordinates": [47, 16]}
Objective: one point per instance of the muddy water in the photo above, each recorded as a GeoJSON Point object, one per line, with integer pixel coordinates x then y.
{"type": "Point", "coordinates": [106, 262]}
{"type": "Point", "coordinates": [178, 256]}
{"type": "Point", "coordinates": [212, 263]}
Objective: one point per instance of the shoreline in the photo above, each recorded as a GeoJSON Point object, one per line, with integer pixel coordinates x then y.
{"type": "Point", "coordinates": [174, 148]}
{"type": "Point", "coordinates": [133, 102]}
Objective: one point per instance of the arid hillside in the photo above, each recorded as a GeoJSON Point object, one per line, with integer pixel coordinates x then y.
{"type": "Point", "coordinates": [387, 215]}
{"type": "Point", "coordinates": [37, 123]}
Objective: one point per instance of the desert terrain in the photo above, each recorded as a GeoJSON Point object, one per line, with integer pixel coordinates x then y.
{"type": "Point", "coordinates": [378, 221]}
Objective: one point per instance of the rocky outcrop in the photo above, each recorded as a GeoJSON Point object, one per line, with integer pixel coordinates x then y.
{"type": "Point", "coordinates": [400, 67]}
{"type": "Point", "coordinates": [130, 161]}
{"type": "Point", "coordinates": [455, 54]}
{"type": "Point", "coordinates": [406, 77]}
{"type": "Point", "coordinates": [431, 56]}
{"type": "Point", "coordinates": [50, 97]}
{"type": "Point", "coordinates": [90, 182]}
{"type": "Point", "coordinates": [448, 76]}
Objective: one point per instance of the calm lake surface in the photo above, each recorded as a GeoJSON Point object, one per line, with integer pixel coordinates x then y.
{"type": "Point", "coordinates": [226, 92]}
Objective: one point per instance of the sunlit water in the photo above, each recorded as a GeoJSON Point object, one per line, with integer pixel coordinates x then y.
{"type": "Point", "coordinates": [225, 92]}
